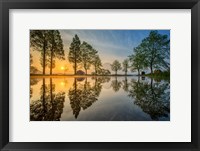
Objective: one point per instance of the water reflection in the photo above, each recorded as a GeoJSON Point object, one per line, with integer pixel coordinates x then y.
{"type": "Point", "coordinates": [50, 105]}
{"type": "Point", "coordinates": [116, 85]}
{"type": "Point", "coordinates": [84, 95]}
{"type": "Point", "coordinates": [99, 98]}
{"type": "Point", "coordinates": [32, 83]}
{"type": "Point", "coordinates": [152, 97]}
{"type": "Point", "coordinates": [125, 85]}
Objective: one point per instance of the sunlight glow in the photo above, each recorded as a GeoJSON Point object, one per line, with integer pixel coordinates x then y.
{"type": "Point", "coordinates": [62, 83]}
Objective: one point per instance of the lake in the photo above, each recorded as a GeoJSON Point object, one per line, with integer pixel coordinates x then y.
{"type": "Point", "coordinates": [100, 98]}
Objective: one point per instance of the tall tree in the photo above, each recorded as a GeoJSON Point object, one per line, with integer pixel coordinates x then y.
{"type": "Point", "coordinates": [96, 63]}
{"type": "Point", "coordinates": [138, 60]}
{"type": "Point", "coordinates": [74, 52]}
{"type": "Point", "coordinates": [156, 48]}
{"type": "Point", "coordinates": [39, 41]}
{"type": "Point", "coordinates": [125, 66]}
{"type": "Point", "coordinates": [56, 48]}
{"type": "Point", "coordinates": [86, 55]}
{"type": "Point", "coordinates": [115, 66]}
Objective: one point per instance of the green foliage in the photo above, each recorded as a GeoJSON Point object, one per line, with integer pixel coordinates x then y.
{"type": "Point", "coordinates": [156, 50]}
{"type": "Point", "coordinates": [87, 54]}
{"type": "Point", "coordinates": [39, 41]}
{"type": "Point", "coordinates": [49, 106]}
{"type": "Point", "coordinates": [56, 48]}
{"type": "Point", "coordinates": [102, 71]}
{"type": "Point", "coordinates": [96, 63]}
{"type": "Point", "coordinates": [152, 97]}
{"type": "Point", "coordinates": [115, 66]}
{"type": "Point", "coordinates": [83, 95]}
{"type": "Point", "coordinates": [125, 66]}
{"type": "Point", "coordinates": [137, 60]}
{"type": "Point", "coordinates": [74, 55]}
{"type": "Point", "coordinates": [116, 85]}
{"type": "Point", "coordinates": [50, 44]}
{"type": "Point", "coordinates": [153, 52]}
{"type": "Point", "coordinates": [159, 75]}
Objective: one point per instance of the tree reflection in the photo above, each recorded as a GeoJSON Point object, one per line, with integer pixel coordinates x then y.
{"type": "Point", "coordinates": [32, 83]}
{"type": "Point", "coordinates": [82, 96]}
{"type": "Point", "coordinates": [116, 85]}
{"type": "Point", "coordinates": [153, 98]}
{"type": "Point", "coordinates": [125, 84]}
{"type": "Point", "coordinates": [50, 105]}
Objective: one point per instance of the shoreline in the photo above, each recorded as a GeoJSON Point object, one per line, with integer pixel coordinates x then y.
{"type": "Point", "coordinates": [54, 76]}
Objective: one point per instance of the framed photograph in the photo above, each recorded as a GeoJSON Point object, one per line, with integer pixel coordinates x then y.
{"type": "Point", "coordinates": [99, 75]}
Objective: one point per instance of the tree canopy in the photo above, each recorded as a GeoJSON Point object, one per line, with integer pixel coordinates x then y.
{"type": "Point", "coordinates": [116, 66]}
{"type": "Point", "coordinates": [74, 55]}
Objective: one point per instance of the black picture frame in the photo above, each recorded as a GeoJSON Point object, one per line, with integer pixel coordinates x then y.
{"type": "Point", "coordinates": [5, 5]}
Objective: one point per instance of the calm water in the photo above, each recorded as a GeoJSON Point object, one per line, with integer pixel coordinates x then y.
{"type": "Point", "coordinates": [99, 99]}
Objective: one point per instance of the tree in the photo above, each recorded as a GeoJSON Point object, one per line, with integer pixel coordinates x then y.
{"type": "Point", "coordinates": [39, 42]}
{"type": "Point", "coordinates": [86, 55]}
{"type": "Point", "coordinates": [138, 60]}
{"type": "Point", "coordinates": [156, 48]}
{"type": "Point", "coordinates": [96, 63]}
{"type": "Point", "coordinates": [33, 70]}
{"type": "Point", "coordinates": [49, 106]}
{"type": "Point", "coordinates": [31, 60]}
{"type": "Point", "coordinates": [74, 52]}
{"type": "Point", "coordinates": [56, 48]}
{"type": "Point", "coordinates": [116, 85]}
{"type": "Point", "coordinates": [125, 66]}
{"type": "Point", "coordinates": [152, 98]}
{"type": "Point", "coordinates": [115, 66]}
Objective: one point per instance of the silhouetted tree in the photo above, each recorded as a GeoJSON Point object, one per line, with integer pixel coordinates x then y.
{"type": "Point", "coordinates": [115, 66]}
{"type": "Point", "coordinates": [56, 48]}
{"type": "Point", "coordinates": [86, 55]}
{"type": "Point", "coordinates": [156, 49]}
{"type": "Point", "coordinates": [74, 55]}
{"type": "Point", "coordinates": [39, 41]}
{"type": "Point", "coordinates": [125, 66]}
{"type": "Point", "coordinates": [137, 60]}
{"type": "Point", "coordinates": [96, 63]}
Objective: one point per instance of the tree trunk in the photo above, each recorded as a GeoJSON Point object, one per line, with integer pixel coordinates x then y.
{"type": "Point", "coordinates": [51, 62]}
{"type": "Point", "coordinates": [43, 98]}
{"type": "Point", "coordinates": [151, 83]}
{"type": "Point", "coordinates": [51, 90]}
{"type": "Point", "coordinates": [125, 72]}
{"type": "Point", "coordinates": [86, 71]}
{"type": "Point", "coordinates": [95, 68]}
{"type": "Point", "coordinates": [151, 67]}
{"type": "Point", "coordinates": [116, 72]}
{"type": "Point", "coordinates": [138, 71]}
{"type": "Point", "coordinates": [151, 70]}
{"type": "Point", "coordinates": [44, 57]}
{"type": "Point", "coordinates": [75, 63]}
{"type": "Point", "coordinates": [75, 67]}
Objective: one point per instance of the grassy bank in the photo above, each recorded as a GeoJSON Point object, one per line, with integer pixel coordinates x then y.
{"type": "Point", "coordinates": [159, 76]}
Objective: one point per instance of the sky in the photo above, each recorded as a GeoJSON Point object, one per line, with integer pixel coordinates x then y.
{"type": "Point", "coordinates": [110, 44]}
